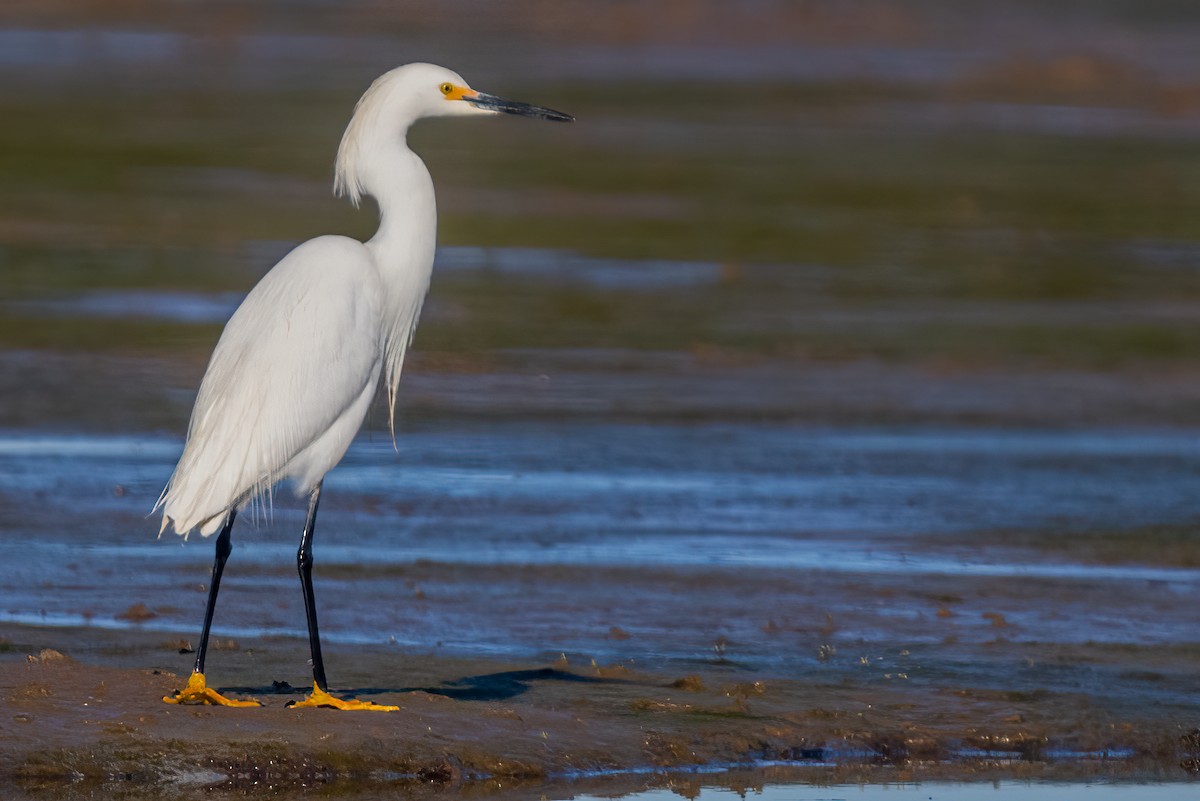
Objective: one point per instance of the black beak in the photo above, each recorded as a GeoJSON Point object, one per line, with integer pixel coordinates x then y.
{"type": "Point", "coordinates": [493, 103]}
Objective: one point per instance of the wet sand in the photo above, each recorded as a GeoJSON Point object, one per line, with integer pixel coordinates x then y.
{"type": "Point", "coordinates": [92, 725]}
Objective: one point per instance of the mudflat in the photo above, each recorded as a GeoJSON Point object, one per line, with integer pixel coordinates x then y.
{"type": "Point", "coordinates": [84, 716]}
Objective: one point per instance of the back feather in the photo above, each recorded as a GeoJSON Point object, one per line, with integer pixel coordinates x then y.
{"type": "Point", "coordinates": [296, 355]}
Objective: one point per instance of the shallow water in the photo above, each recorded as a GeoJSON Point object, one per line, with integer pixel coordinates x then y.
{"type": "Point", "coordinates": [478, 538]}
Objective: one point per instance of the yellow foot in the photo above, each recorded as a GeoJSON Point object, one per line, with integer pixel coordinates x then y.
{"type": "Point", "coordinates": [319, 697]}
{"type": "Point", "coordinates": [197, 692]}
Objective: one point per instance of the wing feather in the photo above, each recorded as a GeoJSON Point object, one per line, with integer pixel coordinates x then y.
{"type": "Point", "coordinates": [303, 346]}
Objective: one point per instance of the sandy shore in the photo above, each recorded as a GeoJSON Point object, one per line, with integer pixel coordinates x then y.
{"type": "Point", "coordinates": [84, 719]}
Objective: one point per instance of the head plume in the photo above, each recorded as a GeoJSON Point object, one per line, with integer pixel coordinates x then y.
{"type": "Point", "coordinates": [347, 175]}
{"type": "Point", "coordinates": [382, 116]}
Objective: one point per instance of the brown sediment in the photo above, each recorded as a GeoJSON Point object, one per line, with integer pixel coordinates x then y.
{"type": "Point", "coordinates": [137, 613]}
{"type": "Point", "coordinates": [73, 728]}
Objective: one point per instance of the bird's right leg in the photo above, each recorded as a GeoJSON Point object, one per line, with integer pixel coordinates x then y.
{"type": "Point", "coordinates": [320, 697]}
{"type": "Point", "coordinates": [197, 690]}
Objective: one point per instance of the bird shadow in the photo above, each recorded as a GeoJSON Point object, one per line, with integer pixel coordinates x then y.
{"type": "Point", "coordinates": [499, 686]}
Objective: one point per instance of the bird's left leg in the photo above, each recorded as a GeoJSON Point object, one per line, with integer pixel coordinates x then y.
{"type": "Point", "coordinates": [304, 561]}
{"type": "Point", "coordinates": [197, 690]}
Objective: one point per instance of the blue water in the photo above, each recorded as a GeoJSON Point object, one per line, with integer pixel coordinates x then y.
{"type": "Point", "coordinates": [585, 485]}
{"type": "Point", "coordinates": [524, 538]}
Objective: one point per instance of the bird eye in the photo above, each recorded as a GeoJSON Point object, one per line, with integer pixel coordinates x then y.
{"type": "Point", "coordinates": [447, 88]}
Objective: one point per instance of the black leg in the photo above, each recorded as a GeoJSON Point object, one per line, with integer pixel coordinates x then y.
{"type": "Point", "coordinates": [224, 546]}
{"type": "Point", "coordinates": [304, 563]}
{"type": "Point", "coordinates": [320, 696]}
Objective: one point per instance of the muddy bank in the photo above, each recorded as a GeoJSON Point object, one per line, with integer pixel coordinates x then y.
{"type": "Point", "coordinates": [564, 607]}
{"type": "Point", "coordinates": [95, 725]}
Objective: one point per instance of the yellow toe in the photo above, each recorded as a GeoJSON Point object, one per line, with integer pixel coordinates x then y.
{"type": "Point", "coordinates": [198, 692]}
{"type": "Point", "coordinates": [320, 698]}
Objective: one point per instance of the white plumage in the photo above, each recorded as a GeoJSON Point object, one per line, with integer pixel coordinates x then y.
{"type": "Point", "coordinates": [298, 364]}
{"type": "Point", "coordinates": [287, 386]}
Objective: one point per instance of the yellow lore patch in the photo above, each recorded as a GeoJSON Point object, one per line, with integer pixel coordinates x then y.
{"type": "Point", "coordinates": [452, 91]}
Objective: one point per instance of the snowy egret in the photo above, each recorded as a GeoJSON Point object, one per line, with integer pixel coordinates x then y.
{"type": "Point", "coordinates": [300, 360]}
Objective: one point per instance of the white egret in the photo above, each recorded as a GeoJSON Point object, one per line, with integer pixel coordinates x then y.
{"type": "Point", "coordinates": [300, 360]}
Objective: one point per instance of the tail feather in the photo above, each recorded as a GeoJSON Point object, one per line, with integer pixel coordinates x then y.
{"type": "Point", "coordinates": [206, 483]}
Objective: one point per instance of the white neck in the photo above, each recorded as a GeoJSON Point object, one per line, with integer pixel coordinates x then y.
{"type": "Point", "coordinates": [403, 247]}
{"type": "Point", "coordinates": [403, 190]}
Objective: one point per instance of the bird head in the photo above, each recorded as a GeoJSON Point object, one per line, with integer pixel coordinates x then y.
{"type": "Point", "coordinates": [409, 93]}
{"type": "Point", "coordinates": [456, 98]}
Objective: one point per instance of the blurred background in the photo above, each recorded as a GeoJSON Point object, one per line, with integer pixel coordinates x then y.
{"type": "Point", "coordinates": [806, 210]}
{"type": "Point", "coordinates": [804, 278]}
